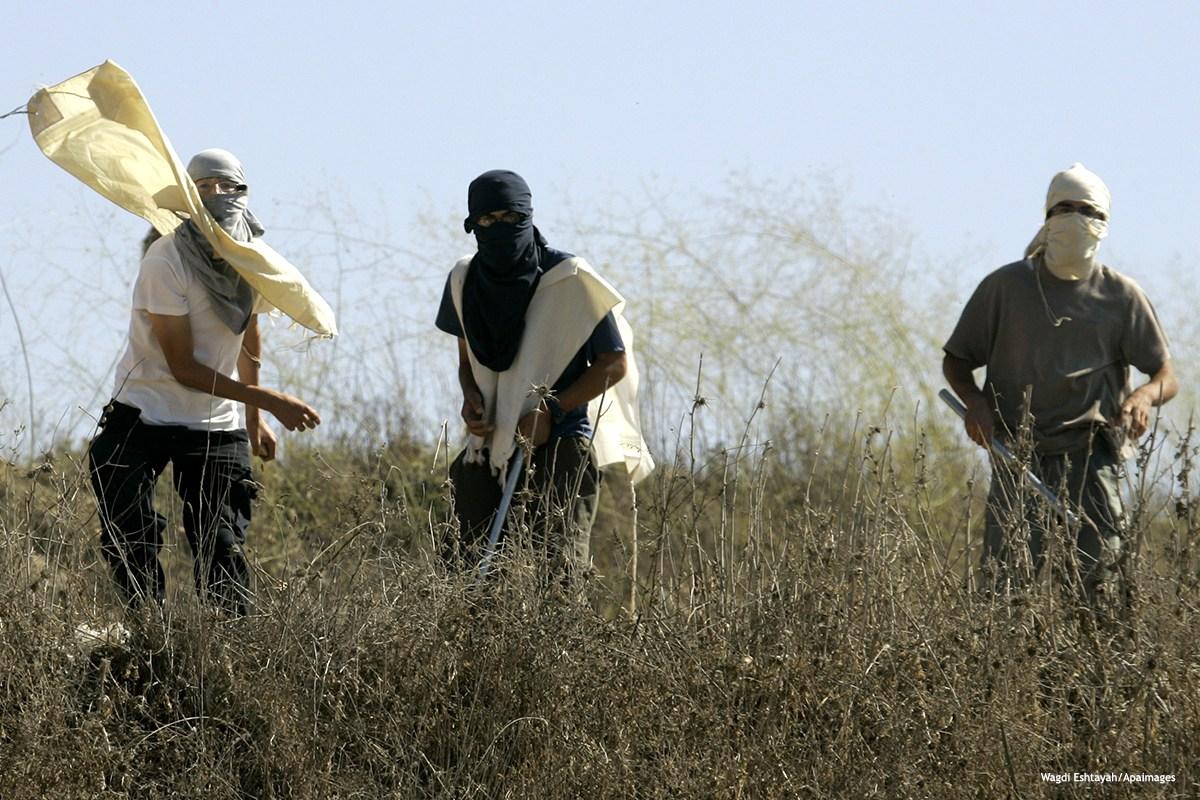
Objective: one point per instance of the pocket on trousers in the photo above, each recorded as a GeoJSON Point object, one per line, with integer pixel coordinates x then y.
{"type": "Point", "coordinates": [243, 491]}
{"type": "Point", "coordinates": [118, 416]}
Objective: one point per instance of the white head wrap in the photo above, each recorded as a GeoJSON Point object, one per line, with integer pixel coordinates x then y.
{"type": "Point", "coordinates": [1068, 242]}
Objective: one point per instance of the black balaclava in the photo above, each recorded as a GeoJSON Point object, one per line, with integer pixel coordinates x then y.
{"type": "Point", "coordinates": [504, 272]}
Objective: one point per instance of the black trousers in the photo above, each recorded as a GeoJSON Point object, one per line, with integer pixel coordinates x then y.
{"type": "Point", "coordinates": [212, 476]}
{"type": "Point", "coordinates": [563, 487]}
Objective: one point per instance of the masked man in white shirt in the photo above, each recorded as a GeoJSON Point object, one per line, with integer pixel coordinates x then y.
{"type": "Point", "coordinates": [190, 364]}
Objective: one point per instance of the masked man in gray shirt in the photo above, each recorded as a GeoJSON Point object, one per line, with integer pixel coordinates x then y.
{"type": "Point", "coordinates": [1058, 332]}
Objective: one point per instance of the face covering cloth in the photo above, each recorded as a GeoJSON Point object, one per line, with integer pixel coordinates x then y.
{"type": "Point", "coordinates": [98, 127]}
{"type": "Point", "coordinates": [1068, 243]}
{"type": "Point", "coordinates": [232, 297]}
{"type": "Point", "coordinates": [505, 270]}
{"type": "Point", "coordinates": [230, 210]}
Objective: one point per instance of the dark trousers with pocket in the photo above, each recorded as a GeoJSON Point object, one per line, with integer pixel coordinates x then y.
{"type": "Point", "coordinates": [563, 485]}
{"type": "Point", "coordinates": [1088, 481]}
{"type": "Point", "coordinates": [212, 476]}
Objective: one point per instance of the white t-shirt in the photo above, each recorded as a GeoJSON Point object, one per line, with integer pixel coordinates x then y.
{"type": "Point", "coordinates": [143, 380]}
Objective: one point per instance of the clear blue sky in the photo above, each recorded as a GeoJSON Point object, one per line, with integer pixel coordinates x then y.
{"type": "Point", "coordinates": [951, 117]}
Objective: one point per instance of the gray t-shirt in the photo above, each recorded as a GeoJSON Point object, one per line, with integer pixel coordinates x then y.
{"type": "Point", "coordinates": [1078, 371]}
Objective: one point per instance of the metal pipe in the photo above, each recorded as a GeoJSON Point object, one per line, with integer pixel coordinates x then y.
{"type": "Point", "coordinates": [510, 487]}
{"type": "Point", "coordinates": [998, 447]}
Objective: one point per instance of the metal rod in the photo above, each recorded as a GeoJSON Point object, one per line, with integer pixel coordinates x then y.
{"type": "Point", "coordinates": [510, 487]}
{"type": "Point", "coordinates": [998, 447]}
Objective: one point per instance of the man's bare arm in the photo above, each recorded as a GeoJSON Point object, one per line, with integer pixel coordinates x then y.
{"type": "Point", "coordinates": [174, 336]}
{"type": "Point", "coordinates": [473, 412]}
{"type": "Point", "coordinates": [262, 438]}
{"type": "Point", "coordinates": [250, 358]}
{"type": "Point", "coordinates": [980, 425]}
{"type": "Point", "coordinates": [1135, 411]}
{"type": "Point", "coordinates": [601, 375]}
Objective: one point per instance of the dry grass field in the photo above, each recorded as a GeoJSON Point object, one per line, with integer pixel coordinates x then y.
{"type": "Point", "coordinates": [792, 611]}
{"type": "Point", "coordinates": [799, 627]}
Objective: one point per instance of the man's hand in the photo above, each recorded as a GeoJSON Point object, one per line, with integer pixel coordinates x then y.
{"type": "Point", "coordinates": [262, 438]}
{"type": "Point", "coordinates": [1135, 412]}
{"type": "Point", "coordinates": [472, 413]}
{"type": "Point", "coordinates": [535, 425]}
{"type": "Point", "coordinates": [978, 421]}
{"type": "Point", "coordinates": [293, 413]}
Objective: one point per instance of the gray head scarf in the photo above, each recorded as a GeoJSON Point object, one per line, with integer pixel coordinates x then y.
{"type": "Point", "coordinates": [233, 298]}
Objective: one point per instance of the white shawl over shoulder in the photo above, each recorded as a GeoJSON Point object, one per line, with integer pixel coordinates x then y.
{"type": "Point", "coordinates": [570, 301]}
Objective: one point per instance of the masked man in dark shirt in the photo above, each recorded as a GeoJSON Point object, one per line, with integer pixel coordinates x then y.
{"type": "Point", "coordinates": [527, 315]}
{"type": "Point", "coordinates": [1058, 332]}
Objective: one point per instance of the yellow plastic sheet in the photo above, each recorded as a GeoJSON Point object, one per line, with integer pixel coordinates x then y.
{"type": "Point", "coordinates": [98, 127]}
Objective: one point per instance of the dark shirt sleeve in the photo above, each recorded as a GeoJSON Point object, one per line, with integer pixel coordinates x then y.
{"type": "Point", "coordinates": [605, 338]}
{"type": "Point", "coordinates": [975, 332]}
{"type": "Point", "coordinates": [1143, 343]}
{"type": "Point", "coordinates": [447, 317]}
